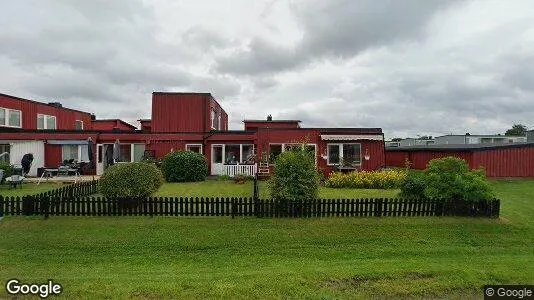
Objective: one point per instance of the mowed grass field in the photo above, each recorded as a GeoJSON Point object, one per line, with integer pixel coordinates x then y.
{"type": "Point", "coordinates": [152, 258]}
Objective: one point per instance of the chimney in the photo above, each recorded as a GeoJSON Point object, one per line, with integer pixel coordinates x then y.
{"type": "Point", "coordinates": [269, 118]}
{"type": "Point", "coordinates": [93, 117]}
{"type": "Point", "coordinates": [55, 104]}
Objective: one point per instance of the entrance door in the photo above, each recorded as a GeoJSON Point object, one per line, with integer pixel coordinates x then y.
{"type": "Point", "coordinates": [104, 153]}
{"type": "Point", "coordinates": [217, 159]}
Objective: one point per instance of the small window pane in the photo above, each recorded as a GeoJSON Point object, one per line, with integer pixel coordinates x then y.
{"type": "Point", "coordinates": [14, 118]}
{"type": "Point", "coordinates": [351, 154]}
{"type": "Point", "coordinates": [78, 125]}
{"type": "Point", "coordinates": [217, 155]}
{"type": "Point", "coordinates": [2, 116]}
{"type": "Point", "coordinates": [70, 152]}
{"type": "Point", "coordinates": [40, 122]}
{"type": "Point", "coordinates": [333, 154]}
{"type": "Point", "coordinates": [194, 148]}
{"type": "Point", "coordinates": [126, 153]}
{"type": "Point", "coordinates": [50, 122]}
{"type": "Point", "coordinates": [274, 152]}
{"type": "Point", "coordinates": [248, 154]}
{"type": "Point", "coordinates": [139, 151]}
{"type": "Point", "coordinates": [232, 153]}
{"type": "Point", "coordinates": [85, 152]}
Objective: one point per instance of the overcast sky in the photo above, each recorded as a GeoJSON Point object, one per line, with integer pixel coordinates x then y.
{"type": "Point", "coordinates": [428, 67]}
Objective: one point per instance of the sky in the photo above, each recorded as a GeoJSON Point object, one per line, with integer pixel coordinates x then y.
{"type": "Point", "coordinates": [410, 67]}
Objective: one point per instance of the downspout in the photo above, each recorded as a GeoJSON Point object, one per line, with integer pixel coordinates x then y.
{"type": "Point", "coordinates": [384, 149]}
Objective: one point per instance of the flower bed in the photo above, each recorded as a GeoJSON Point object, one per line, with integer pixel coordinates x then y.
{"type": "Point", "coordinates": [391, 179]}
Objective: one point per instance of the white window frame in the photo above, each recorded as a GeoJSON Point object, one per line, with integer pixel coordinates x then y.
{"type": "Point", "coordinates": [7, 113]}
{"type": "Point", "coordinates": [213, 113]}
{"type": "Point", "coordinates": [194, 145]}
{"type": "Point", "coordinates": [76, 121]}
{"type": "Point", "coordinates": [341, 145]}
{"type": "Point", "coordinates": [45, 124]}
{"type": "Point", "coordinates": [224, 152]}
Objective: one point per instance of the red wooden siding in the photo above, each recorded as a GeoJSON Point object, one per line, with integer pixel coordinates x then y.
{"type": "Point", "coordinates": [112, 124]}
{"type": "Point", "coordinates": [498, 162]}
{"type": "Point", "coordinates": [178, 112]}
{"type": "Point", "coordinates": [53, 156]}
{"type": "Point", "coordinates": [146, 125]}
{"type": "Point", "coordinates": [509, 162]}
{"type": "Point", "coordinates": [65, 118]}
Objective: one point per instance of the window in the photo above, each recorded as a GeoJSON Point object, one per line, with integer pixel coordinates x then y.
{"type": "Point", "coordinates": [139, 152]}
{"type": "Point", "coordinates": [126, 153]}
{"type": "Point", "coordinates": [10, 117]}
{"type": "Point", "coordinates": [46, 122]}
{"type": "Point", "coordinates": [217, 154]}
{"type": "Point", "coordinates": [213, 119]}
{"type": "Point", "coordinates": [219, 122]}
{"type": "Point", "coordinates": [78, 125]}
{"type": "Point", "coordinates": [232, 153]}
{"type": "Point", "coordinates": [344, 154]}
{"type": "Point", "coordinates": [70, 152]}
{"type": "Point", "coordinates": [75, 152]}
{"type": "Point", "coordinates": [274, 152]}
{"type": "Point", "coordinates": [194, 147]}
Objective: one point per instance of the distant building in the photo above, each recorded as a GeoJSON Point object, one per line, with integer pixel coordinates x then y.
{"type": "Point", "coordinates": [410, 142]}
{"type": "Point", "coordinates": [452, 139]}
{"type": "Point", "coordinates": [530, 136]}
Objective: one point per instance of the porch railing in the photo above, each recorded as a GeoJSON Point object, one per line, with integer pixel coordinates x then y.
{"type": "Point", "coordinates": [232, 170]}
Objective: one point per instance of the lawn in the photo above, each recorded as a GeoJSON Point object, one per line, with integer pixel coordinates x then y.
{"type": "Point", "coordinates": [225, 188]}
{"type": "Point", "coordinates": [29, 188]}
{"type": "Point", "coordinates": [97, 257]}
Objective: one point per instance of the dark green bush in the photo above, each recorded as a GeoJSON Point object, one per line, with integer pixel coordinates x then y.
{"type": "Point", "coordinates": [450, 178]}
{"type": "Point", "coordinates": [295, 177]}
{"type": "Point", "coordinates": [184, 166]}
{"type": "Point", "coordinates": [413, 185]}
{"type": "Point", "coordinates": [130, 180]}
{"type": "Point", "coordinates": [8, 170]}
{"type": "Point", "coordinates": [447, 178]}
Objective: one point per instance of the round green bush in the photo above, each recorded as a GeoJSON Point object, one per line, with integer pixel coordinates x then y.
{"type": "Point", "coordinates": [413, 187]}
{"type": "Point", "coordinates": [131, 180]}
{"type": "Point", "coordinates": [8, 170]}
{"type": "Point", "coordinates": [184, 166]}
{"type": "Point", "coordinates": [295, 177]}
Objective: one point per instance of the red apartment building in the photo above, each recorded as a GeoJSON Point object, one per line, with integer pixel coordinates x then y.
{"type": "Point", "coordinates": [180, 121]}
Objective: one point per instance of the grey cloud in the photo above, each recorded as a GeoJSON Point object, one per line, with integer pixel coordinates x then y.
{"type": "Point", "coordinates": [341, 28]}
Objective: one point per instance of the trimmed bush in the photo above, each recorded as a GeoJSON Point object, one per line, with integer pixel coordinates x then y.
{"type": "Point", "coordinates": [295, 177]}
{"type": "Point", "coordinates": [131, 180]}
{"type": "Point", "coordinates": [447, 178]}
{"type": "Point", "coordinates": [450, 178]}
{"type": "Point", "coordinates": [367, 179]}
{"type": "Point", "coordinates": [184, 166]}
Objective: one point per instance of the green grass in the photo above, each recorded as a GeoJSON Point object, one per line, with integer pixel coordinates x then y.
{"type": "Point", "coordinates": [141, 257]}
{"type": "Point", "coordinates": [226, 188]}
{"type": "Point", "coordinates": [29, 188]}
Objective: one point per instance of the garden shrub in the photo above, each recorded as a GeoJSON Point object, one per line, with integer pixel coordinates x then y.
{"type": "Point", "coordinates": [8, 170]}
{"type": "Point", "coordinates": [295, 176]}
{"type": "Point", "coordinates": [130, 180]}
{"type": "Point", "coordinates": [450, 178]}
{"type": "Point", "coordinates": [413, 186]}
{"type": "Point", "coordinates": [367, 179]}
{"type": "Point", "coordinates": [184, 166]}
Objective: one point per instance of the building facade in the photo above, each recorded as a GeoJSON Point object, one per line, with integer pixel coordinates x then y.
{"type": "Point", "coordinates": [180, 121]}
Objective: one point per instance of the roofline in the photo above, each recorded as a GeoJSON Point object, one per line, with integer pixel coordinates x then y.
{"type": "Point", "coordinates": [481, 135]}
{"type": "Point", "coordinates": [42, 103]}
{"type": "Point", "coordinates": [122, 121]}
{"type": "Point", "coordinates": [273, 121]}
{"type": "Point", "coordinates": [144, 120]}
{"type": "Point", "coordinates": [181, 93]}
{"type": "Point", "coordinates": [458, 148]}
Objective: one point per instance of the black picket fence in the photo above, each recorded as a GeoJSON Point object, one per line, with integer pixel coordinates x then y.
{"type": "Point", "coordinates": [241, 207]}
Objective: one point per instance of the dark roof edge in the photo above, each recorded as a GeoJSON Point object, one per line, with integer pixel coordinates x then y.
{"type": "Point", "coordinates": [273, 121]}
{"type": "Point", "coordinates": [42, 103]}
{"type": "Point", "coordinates": [459, 148]}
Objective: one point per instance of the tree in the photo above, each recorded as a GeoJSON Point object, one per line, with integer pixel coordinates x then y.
{"type": "Point", "coordinates": [517, 129]}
